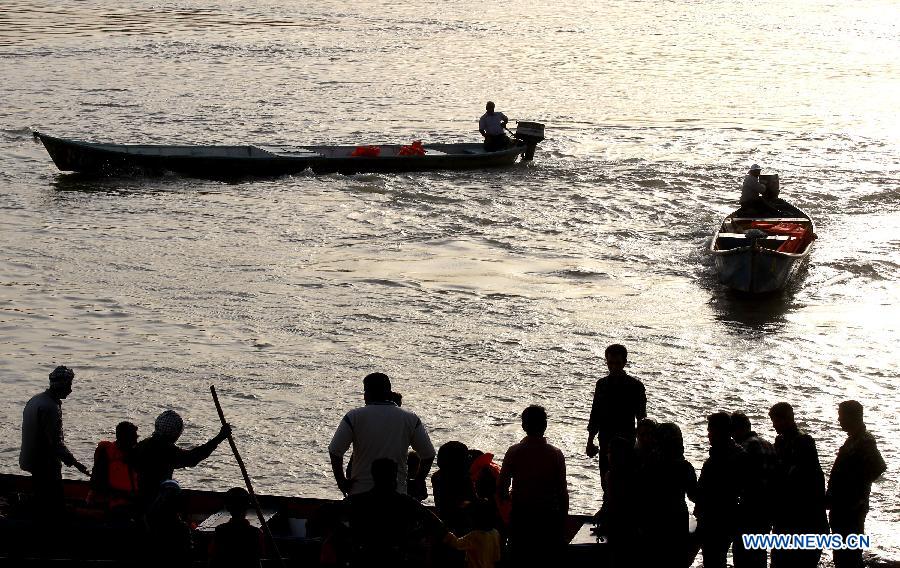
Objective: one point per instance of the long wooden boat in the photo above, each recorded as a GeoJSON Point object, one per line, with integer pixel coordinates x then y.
{"type": "Point", "coordinates": [248, 161]}
{"type": "Point", "coordinates": [758, 249]}
{"type": "Point", "coordinates": [88, 539]}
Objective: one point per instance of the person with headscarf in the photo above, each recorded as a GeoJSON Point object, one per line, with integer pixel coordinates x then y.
{"type": "Point", "coordinates": [157, 457]}
{"type": "Point", "coordinates": [44, 448]}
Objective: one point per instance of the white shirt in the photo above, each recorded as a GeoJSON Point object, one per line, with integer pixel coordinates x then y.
{"type": "Point", "coordinates": [379, 430]}
{"type": "Point", "coordinates": [492, 123]}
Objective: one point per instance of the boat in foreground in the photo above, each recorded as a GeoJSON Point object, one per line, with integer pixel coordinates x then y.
{"type": "Point", "coordinates": [758, 249]}
{"type": "Point", "coordinates": [247, 161]}
{"type": "Point", "coordinates": [297, 524]}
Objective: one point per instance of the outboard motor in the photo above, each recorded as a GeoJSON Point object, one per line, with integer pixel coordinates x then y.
{"type": "Point", "coordinates": [530, 133]}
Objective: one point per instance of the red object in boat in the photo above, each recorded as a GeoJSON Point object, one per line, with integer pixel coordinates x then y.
{"type": "Point", "coordinates": [366, 152]}
{"type": "Point", "coordinates": [800, 234]}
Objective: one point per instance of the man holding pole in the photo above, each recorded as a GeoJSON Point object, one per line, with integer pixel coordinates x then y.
{"type": "Point", "coordinates": [157, 457]}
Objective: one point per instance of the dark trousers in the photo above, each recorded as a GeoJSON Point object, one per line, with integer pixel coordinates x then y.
{"type": "Point", "coordinates": [495, 143]}
{"type": "Point", "coordinates": [744, 558]}
{"type": "Point", "coordinates": [846, 522]}
{"type": "Point", "coordinates": [49, 503]}
{"type": "Point", "coordinates": [536, 537]}
{"type": "Point", "coordinates": [714, 546]}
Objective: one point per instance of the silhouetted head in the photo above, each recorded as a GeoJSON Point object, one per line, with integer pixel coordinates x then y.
{"type": "Point", "coordinates": [646, 430]}
{"type": "Point", "coordinates": [755, 170]}
{"type": "Point", "coordinates": [384, 474]}
{"type": "Point", "coordinates": [740, 426]}
{"type": "Point", "coordinates": [616, 358]}
{"type": "Point", "coordinates": [452, 458]}
{"type": "Point", "coordinates": [489, 106]}
{"type": "Point", "coordinates": [850, 417]}
{"type": "Point", "coordinates": [168, 500]}
{"type": "Point", "coordinates": [534, 420]}
{"type": "Point", "coordinates": [782, 415]}
{"type": "Point", "coordinates": [237, 501]}
{"type": "Point", "coordinates": [61, 381]}
{"type": "Point", "coordinates": [377, 387]}
{"type": "Point", "coordinates": [397, 398]}
{"type": "Point", "coordinates": [718, 427]}
{"type": "Point", "coordinates": [168, 426]}
{"type": "Point", "coordinates": [669, 440]}
{"type": "Point", "coordinates": [126, 435]}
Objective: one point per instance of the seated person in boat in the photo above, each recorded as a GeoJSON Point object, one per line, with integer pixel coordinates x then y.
{"type": "Point", "coordinates": [491, 125]}
{"type": "Point", "coordinates": [753, 188]}
{"type": "Point", "coordinates": [114, 480]}
{"type": "Point", "coordinates": [236, 543]}
{"type": "Point", "coordinates": [387, 527]}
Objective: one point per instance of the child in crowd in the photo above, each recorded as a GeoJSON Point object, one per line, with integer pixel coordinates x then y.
{"type": "Point", "coordinates": [236, 543]}
{"type": "Point", "coordinates": [482, 544]}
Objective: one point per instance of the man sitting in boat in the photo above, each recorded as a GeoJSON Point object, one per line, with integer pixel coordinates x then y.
{"type": "Point", "coordinates": [491, 125]}
{"type": "Point", "coordinates": [753, 188]}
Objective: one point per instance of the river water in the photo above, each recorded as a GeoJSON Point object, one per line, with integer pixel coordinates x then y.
{"type": "Point", "coordinates": [478, 292]}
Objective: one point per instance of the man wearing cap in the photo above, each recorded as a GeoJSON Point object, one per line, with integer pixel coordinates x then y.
{"type": "Point", "coordinates": [380, 429]}
{"type": "Point", "coordinates": [157, 457]}
{"type": "Point", "coordinates": [753, 188]}
{"type": "Point", "coordinates": [43, 444]}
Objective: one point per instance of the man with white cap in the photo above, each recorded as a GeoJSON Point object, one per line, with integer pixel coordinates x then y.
{"type": "Point", "coordinates": [43, 444]}
{"type": "Point", "coordinates": [157, 457]}
{"type": "Point", "coordinates": [753, 189]}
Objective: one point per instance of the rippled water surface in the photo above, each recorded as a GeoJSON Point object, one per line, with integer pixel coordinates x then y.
{"type": "Point", "coordinates": [479, 292]}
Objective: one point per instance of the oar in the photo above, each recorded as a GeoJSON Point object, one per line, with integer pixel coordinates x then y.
{"type": "Point", "coordinates": [237, 456]}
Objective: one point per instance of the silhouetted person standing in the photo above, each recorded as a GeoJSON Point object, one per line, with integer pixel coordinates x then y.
{"type": "Point", "coordinates": [452, 486]}
{"type": "Point", "coordinates": [43, 445]}
{"type": "Point", "coordinates": [719, 491]}
{"type": "Point", "coordinates": [387, 527]}
{"type": "Point", "coordinates": [380, 429]}
{"type": "Point", "coordinates": [540, 497]}
{"type": "Point", "coordinates": [755, 515]}
{"type": "Point", "coordinates": [857, 465]}
{"type": "Point", "coordinates": [156, 458]}
{"type": "Point", "coordinates": [669, 479]}
{"type": "Point", "coordinates": [619, 401]}
{"type": "Point", "coordinates": [799, 488]}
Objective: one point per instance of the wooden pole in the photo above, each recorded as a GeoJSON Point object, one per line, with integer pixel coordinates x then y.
{"type": "Point", "coordinates": [240, 462]}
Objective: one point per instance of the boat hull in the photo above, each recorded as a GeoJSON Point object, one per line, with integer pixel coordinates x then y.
{"type": "Point", "coordinates": [757, 264]}
{"type": "Point", "coordinates": [88, 540]}
{"type": "Point", "coordinates": [755, 271]}
{"type": "Point", "coordinates": [251, 161]}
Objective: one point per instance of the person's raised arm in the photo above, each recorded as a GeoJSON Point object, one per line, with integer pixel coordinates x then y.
{"type": "Point", "coordinates": [190, 458]}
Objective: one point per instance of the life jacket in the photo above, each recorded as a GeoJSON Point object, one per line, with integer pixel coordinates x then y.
{"type": "Point", "coordinates": [121, 478]}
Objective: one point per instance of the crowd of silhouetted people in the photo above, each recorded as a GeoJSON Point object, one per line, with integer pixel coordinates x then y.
{"type": "Point", "coordinates": [486, 514]}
